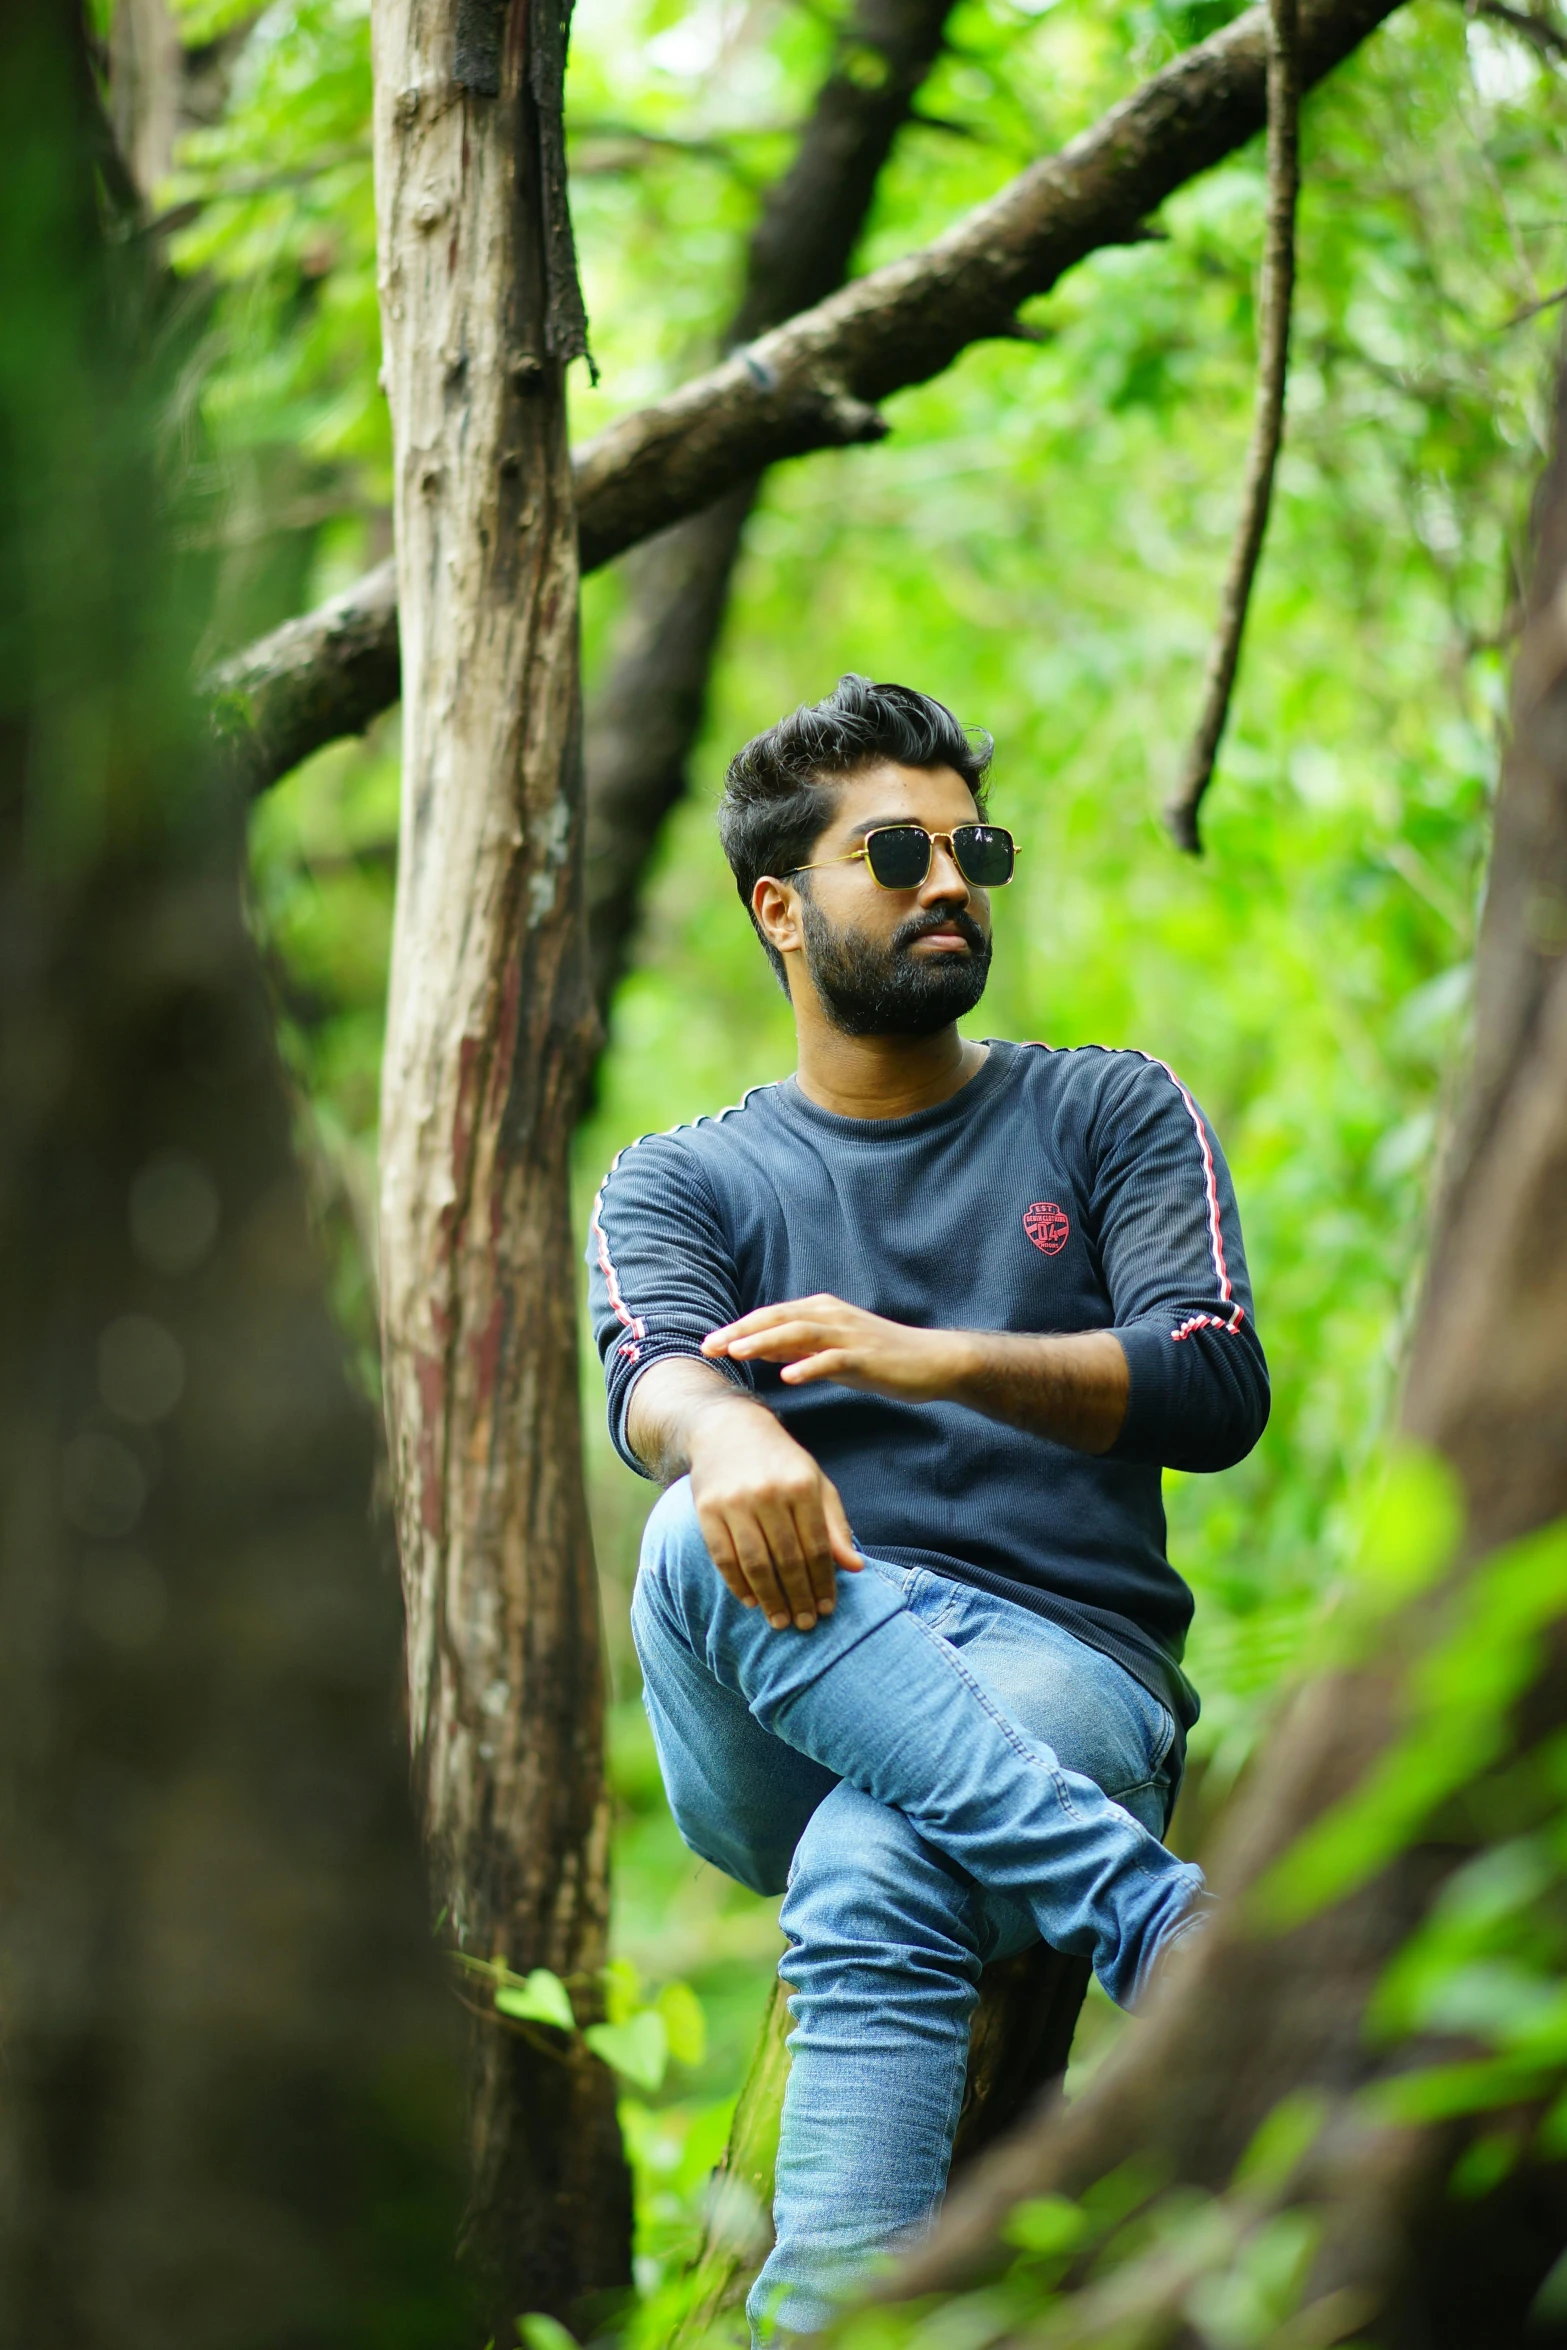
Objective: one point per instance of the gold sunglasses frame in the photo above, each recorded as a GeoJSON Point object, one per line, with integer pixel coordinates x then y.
{"type": "Point", "coordinates": [861, 856]}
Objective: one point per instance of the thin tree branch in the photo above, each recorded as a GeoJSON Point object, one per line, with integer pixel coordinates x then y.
{"type": "Point", "coordinates": [1532, 310]}
{"type": "Point", "coordinates": [1275, 303]}
{"type": "Point", "coordinates": [1538, 31]}
{"type": "Point", "coordinates": [814, 383]}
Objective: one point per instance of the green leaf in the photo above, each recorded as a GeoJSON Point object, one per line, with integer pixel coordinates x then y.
{"type": "Point", "coordinates": [684, 2023]}
{"type": "Point", "coordinates": [542, 1999]}
{"type": "Point", "coordinates": [638, 2050]}
{"type": "Point", "coordinates": [622, 1990]}
{"type": "Point", "coordinates": [1412, 1527]}
{"type": "Point", "coordinates": [1045, 2223]}
{"type": "Point", "coordinates": [1282, 2142]}
{"type": "Point", "coordinates": [543, 2333]}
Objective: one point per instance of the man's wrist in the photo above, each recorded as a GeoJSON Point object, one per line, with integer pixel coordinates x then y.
{"type": "Point", "coordinates": [713, 1418]}
{"type": "Point", "coordinates": [959, 1365]}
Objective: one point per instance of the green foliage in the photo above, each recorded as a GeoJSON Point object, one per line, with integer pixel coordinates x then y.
{"type": "Point", "coordinates": [1040, 542]}
{"type": "Point", "coordinates": [637, 2039]}
{"type": "Point", "coordinates": [540, 2332]}
{"type": "Point", "coordinates": [1458, 1695]}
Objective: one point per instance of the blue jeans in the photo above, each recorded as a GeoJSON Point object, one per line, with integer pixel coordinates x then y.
{"type": "Point", "coordinates": [939, 1778]}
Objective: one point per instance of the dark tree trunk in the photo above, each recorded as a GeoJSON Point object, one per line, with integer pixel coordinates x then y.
{"type": "Point", "coordinates": [489, 1026]}
{"type": "Point", "coordinates": [644, 718]}
{"type": "Point", "coordinates": [1252, 2016]}
{"type": "Point", "coordinates": [231, 2110]}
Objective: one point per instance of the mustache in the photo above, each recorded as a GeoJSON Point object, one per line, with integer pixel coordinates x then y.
{"type": "Point", "coordinates": [934, 918]}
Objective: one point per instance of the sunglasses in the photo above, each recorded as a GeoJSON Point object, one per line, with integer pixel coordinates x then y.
{"type": "Point", "coordinates": [899, 855]}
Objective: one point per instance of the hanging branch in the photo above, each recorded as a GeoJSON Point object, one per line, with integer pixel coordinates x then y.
{"type": "Point", "coordinates": [1278, 286]}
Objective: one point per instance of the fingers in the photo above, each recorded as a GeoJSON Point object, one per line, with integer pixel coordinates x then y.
{"type": "Point", "coordinates": [790, 1564]}
{"type": "Point", "coordinates": [833, 1362]}
{"type": "Point", "coordinates": [810, 1519]}
{"type": "Point", "coordinates": [722, 1552]}
{"type": "Point", "coordinates": [773, 1524]}
{"type": "Point", "coordinates": [840, 1540]}
{"type": "Point", "coordinates": [781, 1345]}
{"type": "Point", "coordinates": [756, 1560]}
{"type": "Point", "coordinates": [781, 1553]}
{"type": "Point", "coordinates": [767, 1321]}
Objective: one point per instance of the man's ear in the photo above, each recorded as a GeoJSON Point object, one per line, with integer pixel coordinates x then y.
{"type": "Point", "coordinates": [776, 909]}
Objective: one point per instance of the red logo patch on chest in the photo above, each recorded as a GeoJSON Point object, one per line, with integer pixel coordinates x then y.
{"type": "Point", "coordinates": [1047, 1226]}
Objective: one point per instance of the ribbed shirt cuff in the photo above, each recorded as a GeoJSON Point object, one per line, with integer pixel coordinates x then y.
{"type": "Point", "coordinates": [1146, 1432]}
{"type": "Point", "coordinates": [664, 1350]}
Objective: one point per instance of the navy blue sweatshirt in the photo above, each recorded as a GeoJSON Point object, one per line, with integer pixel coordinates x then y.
{"type": "Point", "coordinates": [1054, 1192]}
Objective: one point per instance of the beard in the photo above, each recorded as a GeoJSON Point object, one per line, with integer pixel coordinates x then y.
{"type": "Point", "coordinates": [872, 987]}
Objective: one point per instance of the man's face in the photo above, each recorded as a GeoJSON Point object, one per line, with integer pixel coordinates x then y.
{"type": "Point", "coordinates": [902, 962]}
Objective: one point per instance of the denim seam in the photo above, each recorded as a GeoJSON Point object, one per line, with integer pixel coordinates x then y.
{"type": "Point", "coordinates": [1135, 1787]}
{"type": "Point", "coordinates": [1158, 1772]}
{"type": "Point", "coordinates": [1163, 1755]}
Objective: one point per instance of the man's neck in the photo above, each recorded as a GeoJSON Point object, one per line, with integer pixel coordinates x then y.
{"type": "Point", "coordinates": [882, 1076]}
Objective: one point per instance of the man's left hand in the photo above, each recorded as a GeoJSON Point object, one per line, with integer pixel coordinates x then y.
{"type": "Point", "coordinates": [822, 1338]}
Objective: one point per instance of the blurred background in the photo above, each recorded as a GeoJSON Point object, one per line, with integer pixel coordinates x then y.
{"type": "Point", "coordinates": [1039, 543]}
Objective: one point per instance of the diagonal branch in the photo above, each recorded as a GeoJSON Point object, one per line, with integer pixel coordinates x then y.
{"type": "Point", "coordinates": [1536, 29]}
{"type": "Point", "coordinates": [1273, 343]}
{"type": "Point", "coordinates": [814, 383]}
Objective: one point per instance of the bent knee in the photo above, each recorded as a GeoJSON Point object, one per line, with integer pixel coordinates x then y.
{"type": "Point", "coordinates": [760, 1869]}
{"type": "Point", "coordinates": [863, 1871]}
{"type": "Point", "coordinates": [672, 1529]}
{"type": "Point", "coordinates": [675, 1572]}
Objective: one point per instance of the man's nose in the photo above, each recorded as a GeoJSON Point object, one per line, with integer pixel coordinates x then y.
{"type": "Point", "coordinates": [944, 883]}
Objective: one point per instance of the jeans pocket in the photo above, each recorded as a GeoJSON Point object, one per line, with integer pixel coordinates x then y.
{"type": "Point", "coordinates": [1164, 1740]}
{"type": "Point", "coordinates": [1156, 1725]}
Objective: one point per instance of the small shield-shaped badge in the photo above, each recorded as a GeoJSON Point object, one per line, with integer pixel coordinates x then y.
{"type": "Point", "coordinates": [1047, 1226]}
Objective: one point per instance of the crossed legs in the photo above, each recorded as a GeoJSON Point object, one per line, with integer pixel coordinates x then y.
{"type": "Point", "coordinates": [892, 1768]}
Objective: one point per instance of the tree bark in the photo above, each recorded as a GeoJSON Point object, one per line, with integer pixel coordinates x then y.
{"type": "Point", "coordinates": [231, 2112]}
{"type": "Point", "coordinates": [324, 675]}
{"type": "Point", "coordinates": [645, 716]}
{"type": "Point", "coordinates": [489, 1025]}
{"type": "Point", "coordinates": [812, 384]}
{"type": "Point", "coordinates": [1253, 2017]}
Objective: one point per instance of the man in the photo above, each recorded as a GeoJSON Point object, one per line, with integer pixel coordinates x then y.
{"type": "Point", "coordinates": [909, 1338]}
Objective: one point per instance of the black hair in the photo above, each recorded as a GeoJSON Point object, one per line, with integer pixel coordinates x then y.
{"type": "Point", "coordinates": [779, 797]}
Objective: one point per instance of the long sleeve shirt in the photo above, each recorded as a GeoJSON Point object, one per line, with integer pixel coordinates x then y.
{"type": "Point", "coordinates": [1056, 1191]}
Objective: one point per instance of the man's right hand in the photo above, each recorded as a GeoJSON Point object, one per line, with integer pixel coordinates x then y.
{"type": "Point", "coordinates": [774, 1524]}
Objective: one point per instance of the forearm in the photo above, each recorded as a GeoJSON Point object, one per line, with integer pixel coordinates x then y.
{"type": "Point", "coordinates": [669, 1404]}
{"type": "Point", "coordinates": [1072, 1390]}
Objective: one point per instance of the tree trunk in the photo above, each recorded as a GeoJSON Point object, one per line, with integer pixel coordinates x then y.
{"type": "Point", "coordinates": [146, 67]}
{"type": "Point", "coordinates": [644, 718]}
{"type": "Point", "coordinates": [489, 1027]}
{"type": "Point", "coordinates": [231, 2110]}
{"type": "Point", "coordinates": [1255, 2016]}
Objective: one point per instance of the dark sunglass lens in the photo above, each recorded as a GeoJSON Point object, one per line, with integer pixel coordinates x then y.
{"type": "Point", "coordinates": [985, 854]}
{"type": "Point", "coordinates": [899, 855]}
